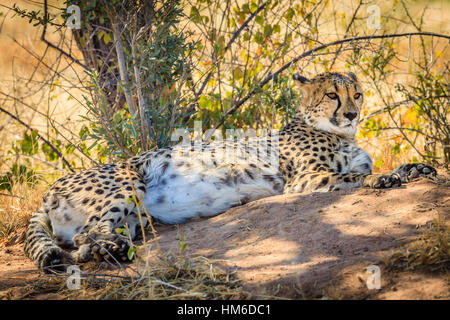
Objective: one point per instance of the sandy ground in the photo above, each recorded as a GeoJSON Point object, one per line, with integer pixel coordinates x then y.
{"type": "Point", "coordinates": [291, 246]}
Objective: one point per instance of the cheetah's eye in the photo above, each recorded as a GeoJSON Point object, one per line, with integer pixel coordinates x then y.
{"type": "Point", "coordinates": [357, 96]}
{"type": "Point", "coordinates": [332, 95]}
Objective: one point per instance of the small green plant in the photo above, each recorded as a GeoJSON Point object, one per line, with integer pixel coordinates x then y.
{"type": "Point", "coordinates": [18, 174]}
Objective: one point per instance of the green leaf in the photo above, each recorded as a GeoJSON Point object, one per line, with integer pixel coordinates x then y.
{"type": "Point", "coordinates": [131, 252]}
{"type": "Point", "coordinates": [259, 20]}
{"type": "Point", "coordinates": [289, 14]}
{"type": "Point", "coordinates": [107, 38]}
{"type": "Point", "coordinates": [267, 30]}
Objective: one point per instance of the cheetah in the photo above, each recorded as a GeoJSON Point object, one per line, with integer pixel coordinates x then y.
{"type": "Point", "coordinates": [315, 152]}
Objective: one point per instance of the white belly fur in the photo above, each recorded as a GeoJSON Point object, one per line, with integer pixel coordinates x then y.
{"type": "Point", "coordinates": [199, 190]}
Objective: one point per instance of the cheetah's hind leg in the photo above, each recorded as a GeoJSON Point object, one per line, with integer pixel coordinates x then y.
{"type": "Point", "coordinates": [411, 171]}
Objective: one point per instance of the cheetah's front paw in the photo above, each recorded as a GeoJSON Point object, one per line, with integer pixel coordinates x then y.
{"type": "Point", "coordinates": [380, 181]}
{"type": "Point", "coordinates": [410, 171]}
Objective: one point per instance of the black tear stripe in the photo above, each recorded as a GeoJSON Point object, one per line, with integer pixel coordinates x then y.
{"type": "Point", "coordinates": [339, 105]}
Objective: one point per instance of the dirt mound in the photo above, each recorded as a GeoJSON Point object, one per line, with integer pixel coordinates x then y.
{"type": "Point", "coordinates": [320, 245]}
{"type": "Point", "coordinates": [297, 246]}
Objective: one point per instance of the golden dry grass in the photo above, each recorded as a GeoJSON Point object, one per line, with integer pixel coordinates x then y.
{"type": "Point", "coordinates": [16, 209]}
{"type": "Point", "coordinates": [431, 251]}
{"type": "Point", "coordinates": [175, 278]}
{"type": "Point", "coordinates": [187, 279]}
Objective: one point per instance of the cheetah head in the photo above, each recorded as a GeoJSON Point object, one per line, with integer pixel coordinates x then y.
{"type": "Point", "coordinates": [331, 102]}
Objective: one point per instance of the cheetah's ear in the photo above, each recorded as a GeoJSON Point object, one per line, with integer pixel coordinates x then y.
{"type": "Point", "coordinates": [304, 84]}
{"type": "Point", "coordinates": [352, 76]}
{"type": "Point", "coordinates": [302, 79]}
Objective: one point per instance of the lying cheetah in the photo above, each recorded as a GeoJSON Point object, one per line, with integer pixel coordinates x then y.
{"type": "Point", "coordinates": [315, 152]}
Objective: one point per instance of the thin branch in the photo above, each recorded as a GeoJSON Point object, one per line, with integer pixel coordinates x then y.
{"type": "Point", "coordinates": [56, 47]}
{"type": "Point", "coordinates": [11, 195]}
{"type": "Point", "coordinates": [137, 77]}
{"type": "Point", "coordinates": [346, 32]}
{"type": "Point", "coordinates": [38, 159]}
{"type": "Point", "coordinates": [382, 110]}
{"type": "Point", "coordinates": [41, 137]}
{"type": "Point", "coordinates": [391, 107]}
{"type": "Point", "coordinates": [53, 123]}
{"type": "Point", "coordinates": [233, 38]}
{"type": "Point", "coordinates": [404, 128]}
{"type": "Point", "coordinates": [310, 52]}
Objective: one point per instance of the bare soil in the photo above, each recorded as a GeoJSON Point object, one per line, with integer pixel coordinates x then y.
{"type": "Point", "coordinates": [316, 246]}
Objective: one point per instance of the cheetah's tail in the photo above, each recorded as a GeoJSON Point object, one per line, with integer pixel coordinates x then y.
{"type": "Point", "coordinates": [40, 246]}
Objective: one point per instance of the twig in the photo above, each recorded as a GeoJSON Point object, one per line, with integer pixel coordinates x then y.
{"type": "Point", "coordinates": [346, 33]}
{"type": "Point", "coordinates": [56, 47]}
{"type": "Point", "coordinates": [41, 137]}
{"type": "Point", "coordinates": [38, 159]}
{"type": "Point", "coordinates": [233, 38]}
{"type": "Point", "coordinates": [12, 195]}
{"type": "Point", "coordinates": [404, 128]}
{"type": "Point", "coordinates": [391, 107]}
{"type": "Point", "coordinates": [310, 52]}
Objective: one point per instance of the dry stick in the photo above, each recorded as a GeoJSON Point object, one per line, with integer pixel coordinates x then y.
{"type": "Point", "coordinates": [382, 110]}
{"type": "Point", "coordinates": [52, 122]}
{"type": "Point", "coordinates": [346, 33]}
{"type": "Point", "coordinates": [141, 104]}
{"type": "Point", "coordinates": [401, 131]}
{"type": "Point", "coordinates": [405, 128]}
{"type": "Point", "coordinates": [11, 195]}
{"type": "Point", "coordinates": [139, 201]}
{"type": "Point", "coordinates": [310, 52]}
{"type": "Point", "coordinates": [41, 160]}
{"type": "Point", "coordinates": [391, 107]}
{"type": "Point", "coordinates": [41, 137]}
{"type": "Point", "coordinates": [123, 67]}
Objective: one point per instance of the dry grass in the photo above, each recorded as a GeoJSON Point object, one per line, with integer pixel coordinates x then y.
{"type": "Point", "coordinates": [175, 278]}
{"type": "Point", "coordinates": [172, 278]}
{"type": "Point", "coordinates": [431, 252]}
{"type": "Point", "coordinates": [16, 208]}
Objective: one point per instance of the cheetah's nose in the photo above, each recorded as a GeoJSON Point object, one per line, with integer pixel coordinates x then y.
{"type": "Point", "coordinates": [350, 115]}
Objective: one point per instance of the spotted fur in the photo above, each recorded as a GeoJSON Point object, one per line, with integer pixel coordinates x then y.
{"type": "Point", "coordinates": [316, 153]}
